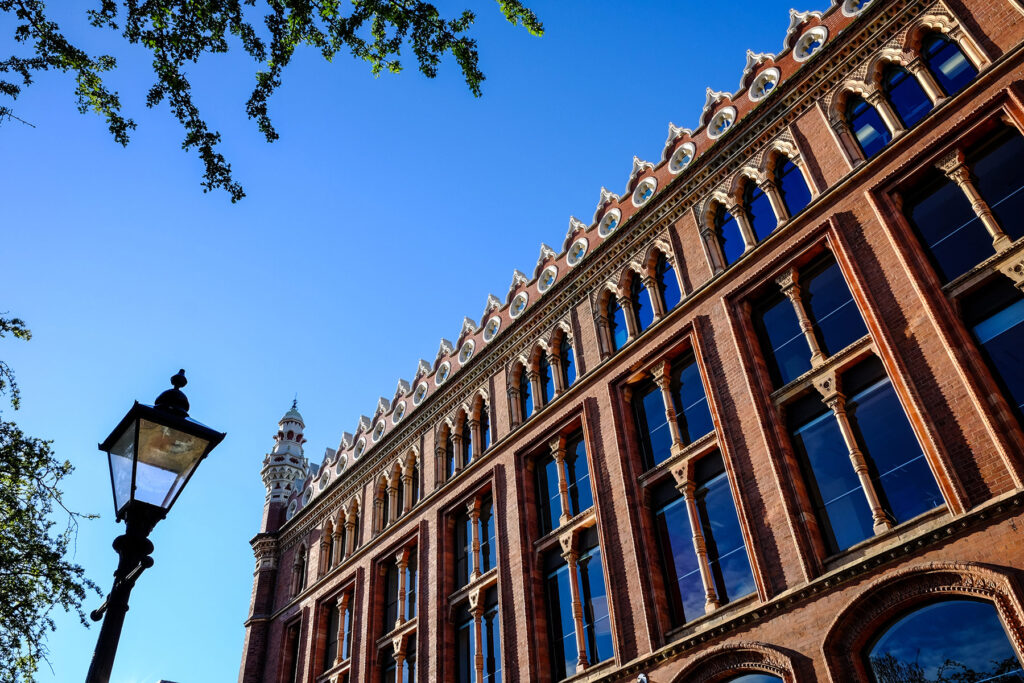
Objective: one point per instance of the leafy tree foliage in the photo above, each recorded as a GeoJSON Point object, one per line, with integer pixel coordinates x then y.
{"type": "Point", "coordinates": [178, 32]}
{"type": "Point", "coordinates": [35, 577]}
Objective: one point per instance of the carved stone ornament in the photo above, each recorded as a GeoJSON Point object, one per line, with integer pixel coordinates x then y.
{"type": "Point", "coordinates": [754, 61]}
{"type": "Point", "coordinates": [796, 20]}
{"type": "Point", "coordinates": [713, 664]}
{"type": "Point", "coordinates": [493, 304]}
{"type": "Point", "coordinates": [674, 133]}
{"type": "Point", "coordinates": [1013, 268]}
{"type": "Point", "coordinates": [422, 368]}
{"type": "Point", "coordinates": [518, 280]}
{"type": "Point", "coordinates": [383, 406]}
{"type": "Point", "coordinates": [402, 389]}
{"type": "Point", "coordinates": [445, 348]}
{"type": "Point", "coordinates": [639, 167]}
{"type": "Point", "coordinates": [607, 197]}
{"type": "Point", "coordinates": [364, 424]}
{"type": "Point", "coordinates": [346, 441]}
{"type": "Point", "coordinates": [711, 101]}
{"type": "Point", "coordinates": [568, 543]}
{"type": "Point", "coordinates": [546, 253]}
{"type": "Point", "coordinates": [468, 327]}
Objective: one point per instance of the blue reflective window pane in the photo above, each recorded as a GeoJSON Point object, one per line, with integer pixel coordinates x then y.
{"type": "Point", "coordinates": [525, 394]}
{"type": "Point", "coordinates": [953, 640]}
{"type": "Point", "coordinates": [331, 649]}
{"type": "Point", "coordinates": [729, 236]}
{"type": "Point", "coordinates": [547, 380]}
{"type": "Point", "coordinates": [561, 628]}
{"type": "Point", "coordinates": [793, 188]}
{"type": "Point", "coordinates": [868, 128]}
{"type": "Point", "coordinates": [1002, 337]}
{"type": "Point", "coordinates": [568, 364]}
{"type": "Point", "coordinates": [410, 588]}
{"type": "Point", "coordinates": [948, 64]}
{"type": "Point", "coordinates": [727, 554]}
{"type": "Point", "coordinates": [485, 429]}
{"type": "Point", "coordinates": [1000, 180]}
{"type": "Point", "coordinates": [899, 469]}
{"type": "Point", "coordinates": [617, 324]}
{"type": "Point", "coordinates": [783, 342]}
{"type": "Point", "coordinates": [578, 475]}
{"type": "Point", "coordinates": [347, 643]}
{"type": "Point", "coordinates": [668, 284]}
{"type": "Point", "coordinates": [467, 443]}
{"type": "Point", "coordinates": [952, 233]}
{"type": "Point", "coordinates": [597, 624]}
{"type": "Point", "coordinates": [682, 572]}
{"type": "Point", "coordinates": [755, 678]}
{"type": "Point", "coordinates": [652, 424]}
{"type": "Point", "coordinates": [548, 495]}
{"type": "Point", "coordinates": [409, 665]}
{"type": "Point", "coordinates": [838, 497]}
{"type": "Point", "coordinates": [837, 322]}
{"type": "Point", "coordinates": [907, 96]}
{"type": "Point", "coordinates": [760, 212]}
{"type": "Point", "coordinates": [463, 537]}
{"type": "Point", "coordinates": [488, 547]}
{"type": "Point", "coordinates": [390, 597]}
{"type": "Point", "coordinates": [692, 408]}
{"type": "Point", "coordinates": [465, 648]}
{"type": "Point", "coordinates": [641, 304]}
{"type": "Point", "coordinates": [449, 457]}
{"type": "Point", "coordinates": [492, 638]}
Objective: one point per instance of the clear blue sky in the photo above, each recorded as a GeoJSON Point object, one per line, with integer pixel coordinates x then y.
{"type": "Point", "coordinates": [386, 212]}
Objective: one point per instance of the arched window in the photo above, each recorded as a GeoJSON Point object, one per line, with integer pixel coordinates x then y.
{"type": "Point", "coordinates": [792, 186]}
{"type": "Point", "coordinates": [400, 494]}
{"type": "Point", "coordinates": [525, 394]}
{"type": "Point", "coordinates": [729, 236]}
{"type": "Point", "coordinates": [385, 508]}
{"type": "Point", "coordinates": [485, 428]}
{"type": "Point", "coordinates": [618, 333]}
{"type": "Point", "coordinates": [568, 363]}
{"type": "Point", "coordinates": [952, 640]}
{"type": "Point", "coordinates": [905, 94]}
{"type": "Point", "coordinates": [759, 211]}
{"type": "Point", "coordinates": [342, 537]}
{"type": "Point", "coordinates": [642, 310]}
{"type": "Point", "coordinates": [449, 454]}
{"type": "Point", "coordinates": [547, 380]}
{"type": "Point", "coordinates": [327, 546]}
{"type": "Point", "coordinates": [667, 283]}
{"type": "Point", "coordinates": [415, 481]}
{"type": "Point", "coordinates": [754, 678]}
{"type": "Point", "coordinates": [867, 126]}
{"type": "Point", "coordinates": [299, 571]}
{"type": "Point", "coordinates": [467, 442]}
{"type": "Point", "coordinates": [947, 63]}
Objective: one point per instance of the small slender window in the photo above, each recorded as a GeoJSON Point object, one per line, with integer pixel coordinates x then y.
{"type": "Point", "coordinates": [906, 95]}
{"type": "Point", "coordinates": [331, 648]}
{"type": "Point", "coordinates": [463, 549]}
{"type": "Point", "coordinates": [668, 284]}
{"type": "Point", "coordinates": [617, 330]}
{"type": "Point", "coordinates": [488, 547]}
{"type": "Point", "coordinates": [568, 363]}
{"type": "Point", "coordinates": [692, 410]}
{"type": "Point", "coordinates": [951, 640]}
{"type": "Point", "coordinates": [729, 236]}
{"type": "Point", "coordinates": [485, 428]}
{"type": "Point", "coordinates": [578, 475]}
{"type": "Point", "coordinates": [596, 619]}
{"type": "Point", "coordinates": [759, 211]}
{"type": "Point", "coordinates": [525, 393]}
{"type": "Point", "coordinates": [492, 638]}
{"type": "Point", "coordinates": [467, 442]}
{"type": "Point", "coordinates": [868, 128]}
{"type": "Point", "coordinates": [346, 643]}
{"type": "Point", "coordinates": [995, 314]}
{"type": "Point", "coordinates": [792, 186]}
{"type": "Point", "coordinates": [547, 380]}
{"type": "Point", "coordinates": [449, 455]}
{"type": "Point", "coordinates": [465, 646]}
{"type": "Point", "coordinates": [642, 309]}
{"type": "Point", "coordinates": [947, 63]}
{"type": "Point", "coordinates": [390, 597]}
{"type": "Point", "coordinates": [652, 425]}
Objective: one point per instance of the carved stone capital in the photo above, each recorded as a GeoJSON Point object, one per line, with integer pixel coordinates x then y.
{"type": "Point", "coordinates": [1013, 268]}
{"type": "Point", "coordinates": [952, 164]}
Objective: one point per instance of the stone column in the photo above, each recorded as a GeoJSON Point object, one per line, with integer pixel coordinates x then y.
{"type": "Point", "coordinates": [605, 334]}
{"type": "Point", "coordinates": [689, 489]}
{"type": "Point", "coordinates": [350, 533]}
{"type": "Point", "coordinates": [954, 166]}
{"type": "Point", "coordinates": [572, 559]}
{"type": "Point", "coordinates": [378, 512]}
{"type": "Point", "coordinates": [407, 474]}
{"type": "Point", "coordinates": [393, 509]}
{"type": "Point", "coordinates": [476, 608]}
{"type": "Point", "coordinates": [888, 114]}
{"type": "Point", "coordinates": [977, 60]}
{"type": "Point", "coordinates": [402, 563]}
{"type": "Point", "coordinates": [924, 76]}
{"type": "Point", "coordinates": [657, 303]}
{"type": "Point", "coordinates": [342, 610]}
{"type": "Point", "coordinates": [473, 510]}
{"type": "Point", "coordinates": [557, 446]}
{"type": "Point", "coordinates": [846, 139]}
{"type": "Point", "coordinates": [517, 407]}
{"type": "Point", "coordinates": [555, 361]}
{"type": "Point", "coordinates": [398, 645]}
{"type": "Point", "coordinates": [808, 180]}
{"type": "Point", "coordinates": [457, 448]}
{"type": "Point", "coordinates": [663, 378]}
{"type": "Point", "coordinates": [626, 304]}
{"type": "Point", "coordinates": [790, 285]}
{"type": "Point", "coordinates": [534, 377]}
{"type": "Point", "coordinates": [339, 549]}
{"type": "Point", "coordinates": [739, 213]}
{"type": "Point", "coordinates": [475, 446]}
{"type": "Point", "coordinates": [713, 249]}
{"type": "Point", "coordinates": [775, 199]}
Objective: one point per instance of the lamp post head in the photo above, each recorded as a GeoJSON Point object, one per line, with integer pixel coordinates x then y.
{"type": "Point", "coordinates": [174, 400]}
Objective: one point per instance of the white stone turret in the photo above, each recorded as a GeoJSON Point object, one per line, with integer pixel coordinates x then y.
{"type": "Point", "coordinates": [284, 468]}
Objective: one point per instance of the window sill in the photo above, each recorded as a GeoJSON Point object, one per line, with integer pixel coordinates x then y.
{"type": "Point", "coordinates": [897, 536]}
{"type": "Point", "coordinates": [486, 580]}
{"type": "Point", "coordinates": [407, 627]}
{"type": "Point", "coordinates": [584, 519]}
{"type": "Point", "coordinates": [712, 619]}
{"type": "Point", "coordinates": [335, 671]}
{"type": "Point", "coordinates": [837, 361]}
{"type": "Point", "coordinates": [976, 275]}
{"type": "Point", "coordinates": [591, 671]}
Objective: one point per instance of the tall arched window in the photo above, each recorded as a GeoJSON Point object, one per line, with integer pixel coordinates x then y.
{"type": "Point", "coordinates": [729, 236]}
{"type": "Point", "coordinates": [525, 394]}
{"type": "Point", "coordinates": [568, 363]}
{"type": "Point", "coordinates": [299, 571]}
{"type": "Point", "coordinates": [618, 333]}
{"type": "Point", "coordinates": [905, 94]}
{"type": "Point", "coordinates": [792, 186]}
{"type": "Point", "coordinates": [547, 380]}
{"type": "Point", "coordinates": [951, 640]}
{"type": "Point", "coordinates": [759, 211]}
{"type": "Point", "coordinates": [400, 490]}
{"type": "Point", "coordinates": [643, 312]}
{"type": "Point", "coordinates": [449, 454]}
{"type": "Point", "coordinates": [867, 126]}
{"type": "Point", "coordinates": [754, 678]}
{"type": "Point", "coordinates": [947, 63]}
{"type": "Point", "coordinates": [467, 442]}
{"type": "Point", "coordinates": [415, 481]}
{"type": "Point", "coordinates": [485, 428]}
{"type": "Point", "coordinates": [667, 283]}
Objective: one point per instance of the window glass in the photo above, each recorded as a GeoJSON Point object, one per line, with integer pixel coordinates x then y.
{"type": "Point", "coordinates": [947, 63]}
{"type": "Point", "coordinates": [463, 549]}
{"type": "Point", "coordinates": [410, 586]}
{"type": "Point", "coordinates": [449, 455]}
{"type": "Point", "coordinates": [485, 427]}
{"type": "Point", "coordinates": [568, 363]}
{"type": "Point", "coordinates": [561, 627]}
{"type": "Point", "coordinates": [729, 236]}
{"type": "Point", "coordinates": [727, 554]}
{"type": "Point", "coordinates": [346, 651]}
{"type": "Point", "coordinates": [1000, 178]}
{"type": "Point", "coordinates": [838, 498]}
{"type": "Point", "coordinates": [409, 665]}
{"type": "Point", "coordinates": [641, 303]}
{"type": "Point", "coordinates": [547, 494]}
{"type": "Point", "coordinates": [465, 646]}
{"type": "Point", "coordinates": [596, 622]}
{"type": "Point", "coordinates": [782, 341]}
{"type": "Point", "coordinates": [868, 128]}
{"type": "Point", "coordinates": [492, 638]}
{"type": "Point", "coordinates": [683, 585]}
{"type": "Point", "coordinates": [331, 650]}
{"type": "Point", "coordinates": [906, 95]}
{"type": "Point", "coordinates": [652, 425]}
{"type": "Point", "coordinates": [488, 547]}
{"type": "Point", "coordinates": [525, 394]}
{"type": "Point", "coordinates": [754, 678]}
{"type": "Point", "coordinates": [390, 597]}
{"type": "Point", "coordinates": [940, 213]}
{"type": "Point", "coordinates": [792, 186]}
{"type": "Point", "coordinates": [952, 640]}
{"type": "Point", "coordinates": [578, 476]}
{"type": "Point", "coordinates": [668, 284]}
{"type": "Point", "coordinates": [759, 211]}
{"type": "Point", "coordinates": [547, 380]}
{"type": "Point", "coordinates": [996, 317]}
{"type": "Point", "coordinates": [692, 410]}
{"type": "Point", "coordinates": [617, 324]}
{"type": "Point", "coordinates": [827, 299]}
{"type": "Point", "coordinates": [388, 672]}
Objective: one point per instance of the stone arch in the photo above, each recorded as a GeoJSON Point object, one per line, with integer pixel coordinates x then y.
{"type": "Point", "coordinates": [480, 399]}
{"type": "Point", "coordinates": [898, 591]}
{"type": "Point", "coordinates": [941, 20]}
{"type": "Point", "coordinates": [657, 249]}
{"type": "Point", "coordinates": [721, 662]}
{"type": "Point", "coordinates": [625, 279]}
{"type": "Point", "coordinates": [836, 110]}
{"type": "Point", "coordinates": [747, 174]}
{"type": "Point", "coordinates": [708, 209]}
{"type": "Point", "coordinates": [882, 59]}
{"type": "Point", "coordinates": [775, 151]}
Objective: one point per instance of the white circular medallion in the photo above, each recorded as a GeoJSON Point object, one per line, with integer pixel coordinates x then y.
{"type": "Point", "coordinates": [576, 252]}
{"type": "Point", "coordinates": [609, 222]}
{"type": "Point", "coordinates": [682, 157]}
{"type": "Point", "coordinates": [518, 304]}
{"type": "Point", "coordinates": [419, 394]}
{"type": "Point", "coordinates": [398, 413]}
{"type": "Point", "coordinates": [466, 352]}
{"type": "Point", "coordinates": [809, 43]}
{"type": "Point", "coordinates": [491, 328]}
{"type": "Point", "coordinates": [722, 122]}
{"type": "Point", "coordinates": [644, 191]}
{"type": "Point", "coordinates": [547, 278]}
{"type": "Point", "coordinates": [443, 371]}
{"type": "Point", "coordinates": [764, 84]}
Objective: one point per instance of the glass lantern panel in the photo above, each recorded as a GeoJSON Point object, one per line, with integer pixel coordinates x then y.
{"type": "Point", "coordinates": [121, 456]}
{"type": "Point", "coordinates": [166, 458]}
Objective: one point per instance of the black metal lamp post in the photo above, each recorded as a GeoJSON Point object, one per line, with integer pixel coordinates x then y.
{"type": "Point", "coordinates": [153, 453]}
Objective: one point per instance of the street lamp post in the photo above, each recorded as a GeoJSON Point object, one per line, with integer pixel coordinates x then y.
{"type": "Point", "coordinates": [152, 453]}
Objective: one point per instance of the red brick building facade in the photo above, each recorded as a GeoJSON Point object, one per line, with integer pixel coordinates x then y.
{"type": "Point", "coordinates": [759, 420]}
